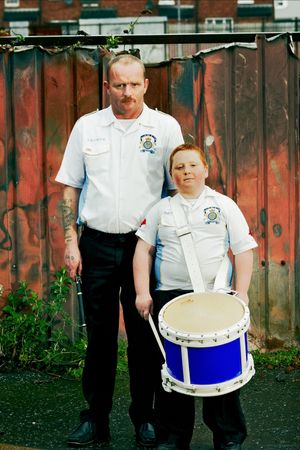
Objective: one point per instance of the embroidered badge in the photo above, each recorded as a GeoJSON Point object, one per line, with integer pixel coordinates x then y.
{"type": "Point", "coordinates": [212, 215]}
{"type": "Point", "coordinates": [148, 143]}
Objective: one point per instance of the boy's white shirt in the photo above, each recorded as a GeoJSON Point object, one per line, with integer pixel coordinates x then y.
{"type": "Point", "coordinates": [217, 224]}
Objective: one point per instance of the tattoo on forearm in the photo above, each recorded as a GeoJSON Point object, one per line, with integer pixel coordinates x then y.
{"type": "Point", "coordinates": [68, 220]}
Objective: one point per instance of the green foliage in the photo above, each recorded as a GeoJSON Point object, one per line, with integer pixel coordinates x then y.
{"type": "Point", "coordinates": [112, 42]}
{"type": "Point", "coordinates": [76, 370]}
{"type": "Point", "coordinates": [122, 356]}
{"type": "Point", "coordinates": [19, 38]}
{"type": "Point", "coordinates": [33, 330]}
{"type": "Point", "coordinates": [78, 350]}
{"type": "Point", "coordinates": [281, 358]}
{"type": "Point", "coordinates": [131, 26]}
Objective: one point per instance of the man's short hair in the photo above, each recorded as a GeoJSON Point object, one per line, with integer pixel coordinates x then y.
{"type": "Point", "coordinates": [125, 58]}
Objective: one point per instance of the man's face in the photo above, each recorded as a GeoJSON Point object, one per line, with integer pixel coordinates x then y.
{"type": "Point", "coordinates": [126, 88]}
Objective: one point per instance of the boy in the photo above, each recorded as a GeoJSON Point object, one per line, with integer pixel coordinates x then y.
{"type": "Point", "coordinates": [217, 224]}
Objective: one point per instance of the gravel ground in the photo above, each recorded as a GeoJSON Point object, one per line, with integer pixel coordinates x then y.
{"type": "Point", "coordinates": [38, 411]}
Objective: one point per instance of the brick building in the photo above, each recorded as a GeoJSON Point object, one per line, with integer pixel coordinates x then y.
{"type": "Point", "coordinates": [36, 17]}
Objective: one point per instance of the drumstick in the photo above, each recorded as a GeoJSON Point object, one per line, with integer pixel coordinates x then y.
{"type": "Point", "coordinates": [157, 336]}
{"type": "Point", "coordinates": [80, 301]}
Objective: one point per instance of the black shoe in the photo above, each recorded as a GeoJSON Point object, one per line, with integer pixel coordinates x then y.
{"type": "Point", "coordinates": [86, 433]}
{"type": "Point", "coordinates": [145, 436]}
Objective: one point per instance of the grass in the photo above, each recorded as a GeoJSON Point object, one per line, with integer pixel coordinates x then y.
{"type": "Point", "coordinates": [122, 356]}
{"type": "Point", "coordinates": [286, 358]}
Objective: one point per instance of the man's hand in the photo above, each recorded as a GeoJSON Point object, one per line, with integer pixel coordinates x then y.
{"type": "Point", "coordinates": [144, 305]}
{"type": "Point", "coordinates": [73, 259]}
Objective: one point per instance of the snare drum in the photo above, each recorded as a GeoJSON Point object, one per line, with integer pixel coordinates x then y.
{"type": "Point", "coordinates": [206, 344]}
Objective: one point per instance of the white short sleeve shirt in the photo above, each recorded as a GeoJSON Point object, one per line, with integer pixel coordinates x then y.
{"type": "Point", "coordinates": [120, 170]}
{"type": "Point", "coordinates": [217, 224]}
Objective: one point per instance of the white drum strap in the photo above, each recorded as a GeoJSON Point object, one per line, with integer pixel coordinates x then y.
{"type": "Point", "coordinates": [184, 233]}
{"type": "Point", "coordinates": [221, 280]}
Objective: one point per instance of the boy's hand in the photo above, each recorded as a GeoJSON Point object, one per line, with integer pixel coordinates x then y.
{"type": "Point", "coordinates": [144, 305]}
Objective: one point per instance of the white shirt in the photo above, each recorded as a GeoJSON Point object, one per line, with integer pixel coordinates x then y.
{"type": "Point", "coordinates": [121, 171]}
{"type": "Point", "coordinates": [217, 224]}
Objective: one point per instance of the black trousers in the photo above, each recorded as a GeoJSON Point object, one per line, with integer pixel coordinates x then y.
{"type": "Point", "coordinates": [107, 279]}
{"type": "Point", "coordinates": [175, 412]}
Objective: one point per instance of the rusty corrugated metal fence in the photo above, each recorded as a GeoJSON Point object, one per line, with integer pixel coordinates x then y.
{"type": "Point", "coordinates": [241, 102]}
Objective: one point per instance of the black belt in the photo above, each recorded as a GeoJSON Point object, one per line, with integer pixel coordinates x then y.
{"type": "Point", "coordinates": [112, 237]}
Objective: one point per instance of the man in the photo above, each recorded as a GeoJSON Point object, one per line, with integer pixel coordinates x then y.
{"type": "Point", "coordinates": [114, 169]}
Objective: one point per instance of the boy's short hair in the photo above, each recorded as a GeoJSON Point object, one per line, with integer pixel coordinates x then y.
{"type": "Point", "coordinates": [185, 147]}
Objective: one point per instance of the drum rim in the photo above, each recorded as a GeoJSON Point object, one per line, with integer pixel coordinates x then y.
{"type": "Point", "coordinates": [208, 390]}
{"type": "Point", "coordinates": [227, 334]}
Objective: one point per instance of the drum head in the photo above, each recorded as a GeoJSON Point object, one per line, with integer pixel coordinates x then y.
{"type": "Point", "coordinates": [203, 312]}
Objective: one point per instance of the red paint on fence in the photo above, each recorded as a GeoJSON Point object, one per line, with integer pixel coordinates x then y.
{"type": "Point", "coordinates": [240, 104]}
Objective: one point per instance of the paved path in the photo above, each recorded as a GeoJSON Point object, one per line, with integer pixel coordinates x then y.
{"type": "Point", "coordinates": [13, 447]}
{"type": "Point", "coordinates": [38, 411]}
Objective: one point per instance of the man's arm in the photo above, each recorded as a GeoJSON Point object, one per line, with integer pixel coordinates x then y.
{"type": "Point", "coordinates": [142, 263]}
{"type": "Point", "coordinates": [243, 273]}
{"type": "Point", "coordinates": [70, 211]}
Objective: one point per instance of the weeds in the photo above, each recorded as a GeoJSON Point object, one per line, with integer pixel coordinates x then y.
{"type": "Point", "coordinates": [288, 358]}
{"type": "Point", "coordinates": [113, 42]}
{"type": "Point", "coordinates": [131, 26]}
{"type": "Point", "coordinates": [34, 331]}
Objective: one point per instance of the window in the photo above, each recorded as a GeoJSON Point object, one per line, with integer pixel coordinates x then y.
{"type": "Point", "coordinates": [281, 4]}
{"type": "Point", "coordinates": [219, 24]}
{"type": "Point", "coordinates": [89, 3]}
{"type": "Point", "coordinates": [286, 10]}
{"type": "Point", "coordinates": [166, 2]}
{"type": "Point", "coordinates": [12, 3]}
{"type": "Point", "coordinates": [21, 27]}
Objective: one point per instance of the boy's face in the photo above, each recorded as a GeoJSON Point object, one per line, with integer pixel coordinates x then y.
{"type": "Point", "coordinates": [126, 88]}
{"type": "Point", "coordinates": [189, 173]}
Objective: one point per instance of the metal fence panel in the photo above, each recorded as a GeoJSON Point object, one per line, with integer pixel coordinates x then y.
{"type": "Point", "coordinates": [239, 102]}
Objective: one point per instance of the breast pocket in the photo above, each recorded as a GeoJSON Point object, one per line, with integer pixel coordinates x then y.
{"type": "Point", "coordinates": [97, 158]}
{"type": "Point", "coordinates": [167, 227]}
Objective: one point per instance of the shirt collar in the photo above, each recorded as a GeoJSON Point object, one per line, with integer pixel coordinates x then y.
{"type": "Point", "coordinates": [145, 118]}
{"type": "Point", "coordinates": [207, 192]}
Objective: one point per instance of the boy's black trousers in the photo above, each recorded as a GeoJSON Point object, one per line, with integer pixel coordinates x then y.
{"type": "Point", "coordinates": [175, 412]}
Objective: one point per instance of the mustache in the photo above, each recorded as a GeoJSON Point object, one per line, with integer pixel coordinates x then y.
{"type": "Point", "coordinates": [127, 99]}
